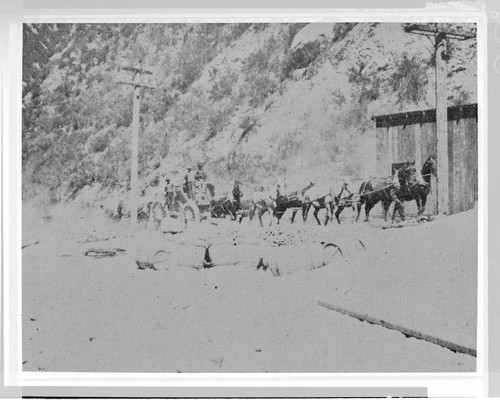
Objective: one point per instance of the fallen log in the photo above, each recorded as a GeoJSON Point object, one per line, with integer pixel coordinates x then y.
{"type": "Point", "coordinates": [405, 331]}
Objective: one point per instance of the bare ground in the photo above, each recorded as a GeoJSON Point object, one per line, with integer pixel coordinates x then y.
{"type": "Point", "coordinates": [82, 313]}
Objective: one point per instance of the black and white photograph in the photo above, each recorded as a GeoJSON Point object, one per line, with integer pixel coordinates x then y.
{"type": "Point", "coordinates": [250, 197]}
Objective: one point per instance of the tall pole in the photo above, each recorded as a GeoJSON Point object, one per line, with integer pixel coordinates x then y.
{"type": "Point", "coordinates": [134, 171]}
{"type": "Point", "coordinates": [441, 32]}
{"type": "Point", "coordinates": [442, 125]}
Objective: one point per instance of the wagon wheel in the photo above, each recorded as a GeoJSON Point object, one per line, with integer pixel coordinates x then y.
{"type": "Point", "coordinates": [216, 212]}
{"type": "Point", "coordinates": [176, 208]}
{"type": "Point", "coordinates": [157, 214]}
{"type": "Point", "coordinates": [215, 209]}
{"type": "Point", "coordinates": [190, 212]}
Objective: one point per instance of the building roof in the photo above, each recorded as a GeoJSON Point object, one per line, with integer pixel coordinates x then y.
{"type": "Point", "coordinates": [455, 113]}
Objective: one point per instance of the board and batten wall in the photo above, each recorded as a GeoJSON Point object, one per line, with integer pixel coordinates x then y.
{"type": "Point", "coordinates": [412, 136]}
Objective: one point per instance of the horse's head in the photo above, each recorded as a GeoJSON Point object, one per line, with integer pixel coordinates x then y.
{"type": "Point", "coordinates": [397, 177]}
{"type": "Point", "coordinates": [407, 174]}
{"type": "Point", "coordinates": [278, 190]}
{"type": "Point", "coordinates": [309, 186]}
{"type": "Point", "coordinates": [343, 188]}
{"type": "Point", "coordinates": [429, 167]}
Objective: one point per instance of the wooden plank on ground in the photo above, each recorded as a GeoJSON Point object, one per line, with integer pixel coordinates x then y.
{"type": "Point", "coordinates": [405, 331]}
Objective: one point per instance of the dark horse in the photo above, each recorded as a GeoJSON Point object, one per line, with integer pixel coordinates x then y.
{"type": "Point", "coordinates": [345, 199]}
{"type": "Point", "coordinates": [386, 190]}
{"type": "Point", "coordinates": [292, 201]}
{"type": "Point", "coordinates": [418, 190]}
{"type": "Point", "coordinates": [222, 207]}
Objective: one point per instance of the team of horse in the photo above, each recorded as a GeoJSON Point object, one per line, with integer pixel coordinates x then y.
{"type": "Point", "coordinates": [406, 184]}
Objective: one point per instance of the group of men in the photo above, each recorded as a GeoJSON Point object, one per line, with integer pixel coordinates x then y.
{"type": "Point", "coordinates": [192, 176]}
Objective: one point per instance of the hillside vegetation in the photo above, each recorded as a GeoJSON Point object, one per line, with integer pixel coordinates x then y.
{"type": "Point", "coordinates": [255, 102]}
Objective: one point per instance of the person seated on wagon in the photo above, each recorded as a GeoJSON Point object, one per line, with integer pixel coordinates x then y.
{"type": "Point", "coordinates": [200, 174]}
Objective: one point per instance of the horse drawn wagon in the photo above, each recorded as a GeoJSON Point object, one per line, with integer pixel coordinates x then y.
{"type": "Point", "coordinates": [190, 203]}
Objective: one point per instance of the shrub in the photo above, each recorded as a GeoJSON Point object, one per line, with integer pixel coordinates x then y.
{"type": "Point", "coordinates": [300, 58]}
{"type": "Point", "coordinates": [99, 142]}
{"type": "Point", "coordinates": [367, 84]}
{"type": "Point", "coordinates": [218, 119]}
{"type": "Point", "coordinates": [258, 90]}
{"type": "Point", "coordinates": [247, 167]}
{"type": "Point", "coordinates": [290, 145]}
{"type": "Point", "coordinates": [409, 80]}
{"type": "Point", "coordinates": [222, 83]}
{"type": "Point", "coordinates": [260, 69]}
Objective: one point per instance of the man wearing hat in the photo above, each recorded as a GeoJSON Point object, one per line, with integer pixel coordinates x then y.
{"type": "Point", "coordinates": [200, 174]}
{"type": "Point", "coordinates": [190, 179]}
{"type": "Point", "coordinates": [169, 192]}
{"type": "Point", "coordinates": [187, 182]}
{"type": "Point", "coordinates": [237, 194]}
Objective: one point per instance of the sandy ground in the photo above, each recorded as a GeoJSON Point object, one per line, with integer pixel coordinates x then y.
{"type": "Point", "coordinates": [87, 314]}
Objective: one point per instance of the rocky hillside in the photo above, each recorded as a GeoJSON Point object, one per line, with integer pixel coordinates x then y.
{"type": "Point", "coordinates": [256, 102]}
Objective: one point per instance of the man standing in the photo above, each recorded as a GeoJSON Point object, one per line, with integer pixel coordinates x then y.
{"type": "Point", "coordinates": [237, 194]}
{"type": "Point", "coordinates": [190, 179]}
{"type": "Point", "coordinates": [169, 193]}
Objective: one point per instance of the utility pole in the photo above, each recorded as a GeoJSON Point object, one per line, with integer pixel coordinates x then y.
{"type": "Point", "coordinates": [134, 170]}
{"type": "Point", "coordinates": [441, 33]}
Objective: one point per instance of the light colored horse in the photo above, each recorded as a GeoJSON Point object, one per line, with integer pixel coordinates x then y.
{"type": "Point", "coordinates": [319, 197]}
{"type": "Point", "coordinates": [261, 202]}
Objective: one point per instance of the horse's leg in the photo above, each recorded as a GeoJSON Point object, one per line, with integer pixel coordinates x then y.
{"type": "Point", "coordinates": [338, 212]}
{"type": "Point", "coordinates": [368, 206]}
{"type": "Point", "coordinates": [385, 205]}
{"type": "Point", "coordinates": [251, 213]}
{"type": "Point", "coordinates": [332, 209]}
{"type": "Point", "coordinates": [294, 213]}
{"type": "Point", "coordinates": [394, 198]}
{"type": "Point", "coordinates": [423, 197]}
{"type": "Point", "coordinates": [419, 206]}
{"type": "Point", "coordinates": [398, 205]}
{"type": "Point", "coordinates": [402, 211]}
{"type": "Point", "coordinates": [305, 211]}
{"type": "Point", "coordinates": [358, 206]}
{"type": "Point", "coordinates": [315, 213]}
{"type": "Point", "coordinates": [396, 208]}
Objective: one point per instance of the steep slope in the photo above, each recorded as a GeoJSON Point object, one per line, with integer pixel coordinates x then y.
{"type": "Point", "coordinates": [256, 102]}
{"type": "Point", "coordinates": [319, 119]}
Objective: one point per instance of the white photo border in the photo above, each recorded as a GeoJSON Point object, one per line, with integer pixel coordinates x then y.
{"type": "Point", "coordinates": [438, 384]}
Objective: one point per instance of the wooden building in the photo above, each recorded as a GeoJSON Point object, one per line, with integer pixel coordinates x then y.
{"type": "Point", "coordinates": [412, 136]}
